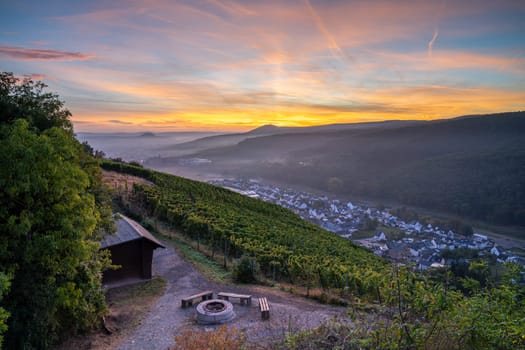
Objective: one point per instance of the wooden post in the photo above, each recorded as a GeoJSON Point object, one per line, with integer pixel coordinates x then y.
{"type": "Point", "coordinates": [225, 251]}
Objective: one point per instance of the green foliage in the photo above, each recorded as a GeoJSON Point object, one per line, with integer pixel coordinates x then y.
{"type": "Point", "coordinates": [330, 335]}
{"type": "Point", "coordinates": [52, 208]}
{"type": "Point", "coordinates": [245, 270]}
{"type": "Point", "coordinates": [405, 214]}
{"type": "Point", "coordinates": [5, 282]}
{"type": "Point", "coordinates": [209, 268]}
{"type": "Point", "coordinates": [27, 99]}
{"type": "Point", "coordinates": [416, 313]}
{"type": "Point", "coordinates": [284, 245]}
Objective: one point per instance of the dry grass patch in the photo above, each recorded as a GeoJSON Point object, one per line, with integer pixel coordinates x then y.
{"type": "Point", "coordinates": [222, 338]}
{"type": "Point", "coordinates": [122, 182]}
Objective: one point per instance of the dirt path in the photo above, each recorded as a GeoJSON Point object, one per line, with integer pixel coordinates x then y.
{"type": "Point", "coordinates": [167, 318]}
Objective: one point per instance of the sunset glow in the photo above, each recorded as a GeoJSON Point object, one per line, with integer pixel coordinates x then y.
{"type": "Point", "coordinates": [234, 65]}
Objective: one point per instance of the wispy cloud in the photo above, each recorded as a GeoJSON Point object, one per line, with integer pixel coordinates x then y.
{"type": "Point", "coordinates": [443, 60]}
{"type": "Point", "coordinates": [334, 47]}
{"type": "Point", "coordinates": [35, 76]}
{"type": "Point", "coordinates": [207, 64]}
{"type": "Point", "coordinates": [232, 7]}
{"type": "Point", "coordinates": [40, 42]}
{"type": "Point", "coordinates": [432, 41]}
{"type": "Point", "coordinates": [22, 53]}
{"type": "Point", "coordinates": [437, 19]}
{"type": "Point", "coordinates": [116, 121]}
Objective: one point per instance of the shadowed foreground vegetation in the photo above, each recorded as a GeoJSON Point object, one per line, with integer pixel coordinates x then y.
{"type": "Point", "coordinates": [53, 208]}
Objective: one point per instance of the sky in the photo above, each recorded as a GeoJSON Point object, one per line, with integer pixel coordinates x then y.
{"type": "Point", "coordinates": [225, 65]}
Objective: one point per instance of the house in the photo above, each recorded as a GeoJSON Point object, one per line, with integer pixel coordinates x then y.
{"type": "Point", "coordinates": [131, 247]}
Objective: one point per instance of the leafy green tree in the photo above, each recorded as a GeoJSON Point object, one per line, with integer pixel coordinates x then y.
{"type": "Point", "coordinates": [27, 99]}
{"type": "Point", "coordinates": [52, 208]}
{"type": "Point", "coordinates": [4, 287]}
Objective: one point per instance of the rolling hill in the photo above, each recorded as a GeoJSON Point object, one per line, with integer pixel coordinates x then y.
{"type": "Point", "coordinates": [472, 166]}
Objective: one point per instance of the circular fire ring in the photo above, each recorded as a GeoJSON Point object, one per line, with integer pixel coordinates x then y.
{"type": "Point", "coordinates": [214, 311]}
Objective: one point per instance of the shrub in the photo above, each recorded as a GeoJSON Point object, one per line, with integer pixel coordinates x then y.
{"type": "Point", "coordinates": [245, 270]}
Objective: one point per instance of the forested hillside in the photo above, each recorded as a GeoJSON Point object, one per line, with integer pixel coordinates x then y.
{"type": "Point", "coordinates": [471, 166]}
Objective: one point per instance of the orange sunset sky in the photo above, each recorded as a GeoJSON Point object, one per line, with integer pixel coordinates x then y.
{"type": "Point", "coordinates": [229, 65]}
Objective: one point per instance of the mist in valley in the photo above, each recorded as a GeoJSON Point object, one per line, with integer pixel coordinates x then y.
{"type": "Point", "coordinates": [141, 146]}
{"type": "Point", "coordinates": [471, 167]}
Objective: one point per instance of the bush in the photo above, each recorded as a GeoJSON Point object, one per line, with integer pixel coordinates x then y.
{"type": "Point", "coordinates": [245, 270]}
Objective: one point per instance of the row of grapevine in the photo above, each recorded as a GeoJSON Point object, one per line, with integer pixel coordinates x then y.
{"type": "Point", "coordinates": [283, 243]}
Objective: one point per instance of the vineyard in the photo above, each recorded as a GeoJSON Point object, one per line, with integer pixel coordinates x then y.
{"type": "Point", "coordinates": [284, 245]}
{"type": "Point", "coordinates": [438, 310]}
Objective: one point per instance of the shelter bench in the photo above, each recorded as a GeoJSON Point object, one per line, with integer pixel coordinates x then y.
{"type": "Point", "coordinates": [265, 308]}
{"type": "Point", "coordinates": [242, 297]}
{"type": "Point", "coordinates": [188, 301]}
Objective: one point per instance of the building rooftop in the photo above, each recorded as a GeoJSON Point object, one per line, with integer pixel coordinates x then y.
{"type": "Point", "coordinates": [128, 230]}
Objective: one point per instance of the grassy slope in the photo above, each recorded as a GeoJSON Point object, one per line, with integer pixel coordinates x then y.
{"type": "Point", "coordinates": [244, 225]}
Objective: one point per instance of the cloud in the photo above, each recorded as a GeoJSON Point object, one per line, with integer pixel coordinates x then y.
{"type": "Point", "coordinates": [116, 121]}
{"type": "Point", "coordinates": [432, 41]}
{"type": "Point", "coordinates": [332, 43]}
{"type": "Point", "coordinates": [35, 76]}
{"type": "Point", "coordinates": [21, 53]}
{"type": "Point", "coordinates": [374, 107]}
{"type": "Point", "coordinates": [454, 59]}
{"type": "Point", "coordinates": [232, 7]}
{"type": "Point", "coordinates": [214, 62]}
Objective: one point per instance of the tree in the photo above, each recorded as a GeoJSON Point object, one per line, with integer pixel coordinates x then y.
{"type": "Point", "coordinates": [52, 208]}
{"type": "Point", "coordinates": [4, 287]}
{"type": "Point", "coordinates": [245, 269]}
{"type": "Point", "coordinates": [27, 99]}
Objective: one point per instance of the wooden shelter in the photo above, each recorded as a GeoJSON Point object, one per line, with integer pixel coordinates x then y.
{"type": "Point", "coordinates": [132, 248]}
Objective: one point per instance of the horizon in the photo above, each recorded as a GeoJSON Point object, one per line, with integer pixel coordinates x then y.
{"type": "Point", "coordinates": [221, 132]}
{"type": "Point", "coordinates": [231, 66]}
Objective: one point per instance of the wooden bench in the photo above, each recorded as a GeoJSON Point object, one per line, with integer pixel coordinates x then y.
{"type": "Point", "coordinates": [265, 308]}
{"type": "Point", "coordinates": [188, 301]}
{"type": "Point", "coordinates": [242, 297]}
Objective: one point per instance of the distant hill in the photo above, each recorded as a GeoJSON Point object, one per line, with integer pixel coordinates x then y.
{"type": "Point", "coordinates": [472, 166]}
{"type": "Point", "coordinates": [148, 134]}
{"type": "Point", "coordinates": [219, 141]}
{"type": "Point", "coordinates": [265, 130]}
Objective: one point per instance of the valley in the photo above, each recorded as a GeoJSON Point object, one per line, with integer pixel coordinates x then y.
{"type": "Point", "coordinates": [420, 244]}
{"type": "Point", "coordinates": [470, 167]}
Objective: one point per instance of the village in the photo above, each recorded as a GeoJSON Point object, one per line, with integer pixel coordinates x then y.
{"type": "Point", "coordinates": [424, 246]}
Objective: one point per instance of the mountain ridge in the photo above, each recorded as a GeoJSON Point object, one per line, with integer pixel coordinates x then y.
{"type": "Point", "coordinates": [471, 166]}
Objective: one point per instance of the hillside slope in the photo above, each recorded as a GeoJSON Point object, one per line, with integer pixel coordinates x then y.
{"type": "Point", "coordinates": [471, 166]}
{"type": "Point", "coordinates": [283, 244]}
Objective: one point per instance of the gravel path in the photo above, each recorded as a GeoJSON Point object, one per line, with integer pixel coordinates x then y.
{"type": "Point", "coordinates": [167, 318]}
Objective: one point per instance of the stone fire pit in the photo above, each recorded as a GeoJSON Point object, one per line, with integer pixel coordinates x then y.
{"type": "Point", "coordinates": [215, 311]}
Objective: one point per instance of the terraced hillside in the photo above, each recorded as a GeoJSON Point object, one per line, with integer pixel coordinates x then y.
{"type": "Point", "coordinates": [283, 244]}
